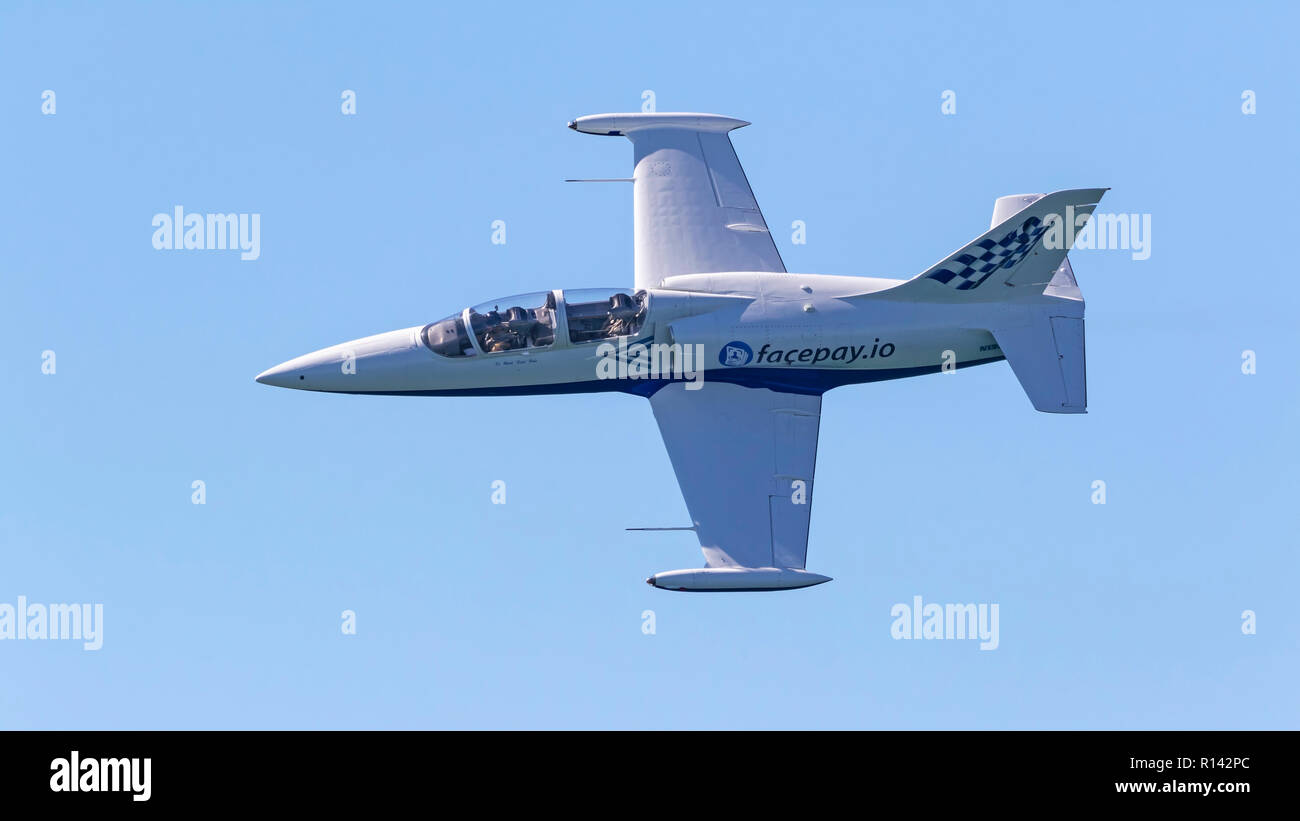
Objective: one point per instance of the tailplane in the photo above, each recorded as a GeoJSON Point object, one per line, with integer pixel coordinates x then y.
{"type": "Point", "coordinates": [1045, 348]}
{"type": "Point", "coordinates": [1044, 342]}
{"type": "Point", "coordinates": [1021, 263]}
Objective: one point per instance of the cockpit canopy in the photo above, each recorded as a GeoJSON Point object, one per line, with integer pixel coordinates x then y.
{"type": "Point", "coordinates": [535, 320]}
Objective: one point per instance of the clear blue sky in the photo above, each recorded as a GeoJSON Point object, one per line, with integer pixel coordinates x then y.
{"type": "Point", "coordinates": [528, 614]}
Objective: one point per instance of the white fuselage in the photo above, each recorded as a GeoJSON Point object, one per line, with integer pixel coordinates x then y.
{"type": "Point", "coordinates": [794, 332]}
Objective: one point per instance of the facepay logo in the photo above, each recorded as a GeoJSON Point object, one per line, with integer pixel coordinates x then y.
{"type": "Point", "coordinates": [734, 354]}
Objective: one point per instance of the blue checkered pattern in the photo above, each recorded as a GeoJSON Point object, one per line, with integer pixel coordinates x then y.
{"type": "Point", "coordinates": [970, 268]}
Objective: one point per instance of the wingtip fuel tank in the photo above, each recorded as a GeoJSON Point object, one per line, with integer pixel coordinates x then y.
{"type": "Point", "coordinates": [735, 579]}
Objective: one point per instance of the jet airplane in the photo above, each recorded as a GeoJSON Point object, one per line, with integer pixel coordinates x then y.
{"type": "Point", "coordinates": [733, 352]}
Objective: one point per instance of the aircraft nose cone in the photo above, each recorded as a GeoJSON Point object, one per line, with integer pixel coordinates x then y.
{"type": "Point", "coordinates": [383, 362]}
{"type": "Point", "coordinates": [311, 371]}
{"type": "Point", "coordinates": [281, 376]}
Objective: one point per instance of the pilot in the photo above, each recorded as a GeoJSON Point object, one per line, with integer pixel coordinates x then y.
{"type": "Point", "coordinates": [495, 336]}
{"type": "Point", "coordinates": [622, 316]}
{"type": "Point", "coordinates": [500, 338]}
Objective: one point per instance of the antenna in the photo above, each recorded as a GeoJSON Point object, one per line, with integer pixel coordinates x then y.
{"type": "Point", "coordinates": [661, 528]}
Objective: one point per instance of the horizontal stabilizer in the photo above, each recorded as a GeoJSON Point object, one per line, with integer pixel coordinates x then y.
{"type": "Point", "coordinates": [1047, 356]}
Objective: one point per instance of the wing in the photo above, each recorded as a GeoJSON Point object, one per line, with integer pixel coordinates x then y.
{"type": "Point", "coordinates": [744, 459]}
{"type": "Point", "coordinates": [693, 211]}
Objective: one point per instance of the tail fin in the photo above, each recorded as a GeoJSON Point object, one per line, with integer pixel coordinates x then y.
{"type": "Point", "coordinates": [1044, 341]}
{"type": "Point", "coordinates": [1063, 283]}
{"type": "Point", "coordinates": [1025, 252]}
{"type": "Point", "coordinates": [1021, 263]}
